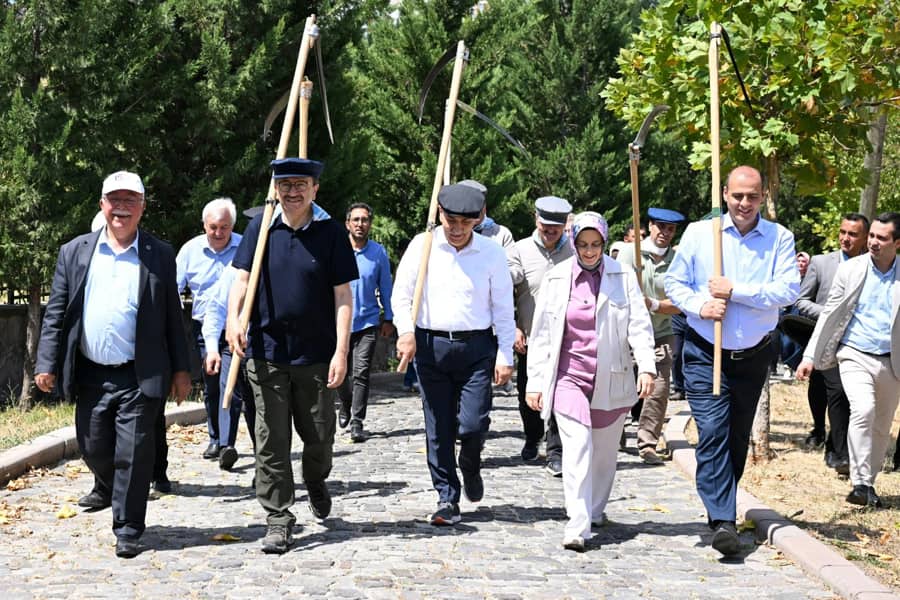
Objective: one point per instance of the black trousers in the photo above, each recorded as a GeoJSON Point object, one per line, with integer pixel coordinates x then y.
{"type": "Point", "coordinates": [115, 425]}
{"type": "Point", "coordinates": [532, 423]}
{"type": "Point", "coordinates": [817, 397]}
{"type": "Point", "coordinates": [838, 411]}
{"type": "Point", "coordinates": [354, 391]}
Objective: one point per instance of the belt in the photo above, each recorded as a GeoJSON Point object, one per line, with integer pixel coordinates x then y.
{"type": "Point", "coordinates": [458, 335]}
{"type": "Point", "coordinates": [101, 367]}
{"type": "Point", "coordinates": [742, 354]}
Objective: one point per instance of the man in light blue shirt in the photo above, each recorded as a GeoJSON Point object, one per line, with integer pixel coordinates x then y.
{"type": "Point", "coordinates": [200, 263]}
{"type": "Point", "coordinates": [759, 277]}
{"type": "Point", "coordinates": [371, 295]}
{"type": "Point", "coordinates": [858, 330]}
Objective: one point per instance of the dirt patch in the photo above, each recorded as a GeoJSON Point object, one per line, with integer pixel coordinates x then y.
{"type": "Point", "coordinates": [797, 484]}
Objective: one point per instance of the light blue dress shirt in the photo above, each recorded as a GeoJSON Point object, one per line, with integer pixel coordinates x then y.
{"type": "Point", "coordinates": [761, 265]}
{"type": "Point", "coordinates": [217, 308]}
{"type": "Point", "coordinates": [111, 303]}
{"type": "Point", "coordinates": [869, 329]}
{"type": "Point", "coordinates": [374, 275]}
{"type": "Point", "coordinates": [199, 267]}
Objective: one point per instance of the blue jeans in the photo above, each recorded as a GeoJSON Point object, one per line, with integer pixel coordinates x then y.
{"type": "Point", "coordinates": [210, 387]}
{"type": "Point", "coordinates": [242, 397]}
{"type": "Point", "coordinates": [724, 421]}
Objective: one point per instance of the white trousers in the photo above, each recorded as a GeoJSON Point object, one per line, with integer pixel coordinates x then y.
{"type": "Point", "coordinates": [589, 467]}
{"type": "Point", "coordinates": [873, 393]}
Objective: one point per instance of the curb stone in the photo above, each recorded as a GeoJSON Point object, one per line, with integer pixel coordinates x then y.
{"type": "Point", "coordinates": [813, 556]}
{"type": "Point", "coordinates": [55, 446]}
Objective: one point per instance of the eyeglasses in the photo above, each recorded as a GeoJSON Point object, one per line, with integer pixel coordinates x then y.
{"type": "Point", "coordinates": [362, 220]}
{"type": "Point", "coordinates": [126, 201]}
{"type": "Point", "coordinates": [286, 186]}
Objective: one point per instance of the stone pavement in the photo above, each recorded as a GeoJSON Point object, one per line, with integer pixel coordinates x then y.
{"type": "Point", "coordinates": [377, 543]}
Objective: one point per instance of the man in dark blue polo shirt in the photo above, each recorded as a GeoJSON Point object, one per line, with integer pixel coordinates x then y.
{"type": "Point", "coordinates": [296, 344]}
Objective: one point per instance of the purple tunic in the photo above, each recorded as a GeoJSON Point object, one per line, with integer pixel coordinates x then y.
{"type": "Point", "coordinates": [578, 354]}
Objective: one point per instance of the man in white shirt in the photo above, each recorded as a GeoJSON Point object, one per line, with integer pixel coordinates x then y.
{"type": "Point", "coordinates": [467, 297]}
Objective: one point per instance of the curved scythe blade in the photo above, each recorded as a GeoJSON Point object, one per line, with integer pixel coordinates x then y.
{"type": "Point", "coordinates": [474, 112]}
{"type": "Point", "coordinates": [321, 69]}
{"type": "Point", "coordinates": [276, 110]}
{"type": "Point", "coordinates": [641, 137]}
{"type": "Point", "coordinates": [442, 62]}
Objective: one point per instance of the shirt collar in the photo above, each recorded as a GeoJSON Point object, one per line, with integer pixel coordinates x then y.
{"type": "Point", "coordinates": [889, 273]}
{"type": "Point", "coordinates": [581, 274]}
{"type": "Point", "coordinates": [728, 223]}
{"type": "Point", "coordinates": [232, 243]}
{"type": "Point", "coordinates": [104, 241]}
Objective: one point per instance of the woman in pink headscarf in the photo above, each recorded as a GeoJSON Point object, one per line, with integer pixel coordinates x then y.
{"type": "Point", "coordinates": [589, 320]}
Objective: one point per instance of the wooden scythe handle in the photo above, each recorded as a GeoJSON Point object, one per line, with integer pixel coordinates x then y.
{"type": "Point", "coordinates": [449, 115]}
{"type": "Point", "coordinates": [715, 33]}
{"type": "Point", "coordinates": [260, 251]}
{"type": "Point", "coordinates": [634, 157]}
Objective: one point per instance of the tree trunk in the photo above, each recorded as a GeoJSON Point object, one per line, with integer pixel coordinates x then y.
{"type": "Point", "coordinates": [773, 187]}
{"type": "Point", "coordinates": [759, 434]}
{"type": "Point", "coordinates": [32, 335]}
{"type": "Point", "coordinates": [868, 200]}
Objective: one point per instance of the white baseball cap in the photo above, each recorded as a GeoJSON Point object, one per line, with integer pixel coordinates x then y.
{"type": "Point", "coordinates": [123, 180]}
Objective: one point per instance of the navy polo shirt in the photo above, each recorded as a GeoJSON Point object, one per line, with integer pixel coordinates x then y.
{"type": "Point", "coordinates": [293, 319]}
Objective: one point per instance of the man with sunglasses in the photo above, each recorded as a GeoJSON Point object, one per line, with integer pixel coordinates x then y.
{"type": "Point", "coordinates": [759, 276]}
{"type": "Point", "coordinates": [371, 295]}
{"type": "Point", "coordinates": [296, 343]}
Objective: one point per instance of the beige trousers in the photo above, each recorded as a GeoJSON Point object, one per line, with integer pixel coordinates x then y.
{"type": "Point", "coordinates": [653, 413]}
{"type": "Point", "coordinates": [873, 392]}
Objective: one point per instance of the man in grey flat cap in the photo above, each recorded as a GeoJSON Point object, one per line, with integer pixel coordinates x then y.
{"type": "Point", "coordinates": [466, 299]}
{"type": "Point", "coordinates": [529, 259]}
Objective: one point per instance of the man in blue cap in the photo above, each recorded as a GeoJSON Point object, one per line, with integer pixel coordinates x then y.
{"type": "Point", "coordinates": [529, 260]}
{"type": "Point", "coordinates": [296, 344]}
{"type": "Point", "coordinates": [467, 296]}
{"type": "Point", "coordinates": [656, 256]}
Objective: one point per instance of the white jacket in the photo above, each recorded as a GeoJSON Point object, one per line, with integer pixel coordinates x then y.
{"type": "Point", "coordinates": [623, 329]}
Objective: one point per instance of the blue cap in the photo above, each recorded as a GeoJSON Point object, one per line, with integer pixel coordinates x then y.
{"type": "Point", "coordinates": [463, 200]}
{"type": "Point", "coordinates": [282, 168]}
{"type": "Point", "coordinates": [552, 210]}
{"type": "Point", "coordinates": [664, 215]}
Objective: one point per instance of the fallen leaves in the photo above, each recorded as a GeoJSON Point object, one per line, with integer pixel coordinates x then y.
{"type": "Point", "coordinates": [225, 537]}
{"type": "Point", "coordinates": [655, 508]}
{"type": "Point", "coordinates": [17, 484]}
{"type": "Point", "coordinates": [8, 513]}
{"type": "Point", "coordinates": [747, 525]}
{"type": "Point", "coordinates": [66, 512]}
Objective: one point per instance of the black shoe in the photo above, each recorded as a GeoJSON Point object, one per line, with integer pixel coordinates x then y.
{"type": "Point", "coordinates": [343, 416]}
{"type": "Point", "coordinates": [127, 548]}
{"type": "Point", "coordinates": [446, 514]}
{"type": "Point", "coordinates": [529, 451]}
{"type": "Point", "coordinates": [319, 499]}
{"type": "Point", "coordinates": [676, 395]}
{"type": "Point", "coordinates": [278, 539]}
{"type": "Point", "coordinates": [725, 539]}
{"type": "Point", "coordinates": [356, 433]}
{"type": "Point", "coordinates": [473, 486]}
{"type": "Point", "coordinates": [815, 439]}
{"type": "Point", "coordinates": [95, 500]}
{"type": "Point", "coordinates": [554, 467]}
{"type": "Point", "coordinates": [859, 495]}
{"type": "Point", "coordinates": [227, 457]}
{"type": "Point", "coordinates": [162, 485]}
{"type": "Point", "coordinates": [842, 467]}
{"type": "Point", "coordinates": [873, 501]}
{"type": "Point", "coordinates": [212, 451]}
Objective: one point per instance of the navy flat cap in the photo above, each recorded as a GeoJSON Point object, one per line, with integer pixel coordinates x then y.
{"type": "Point", "coordinates": [462, 200]}
{"type": "Point", "coordinates": [552, 210]}
{"type": "Point", "coordinates": [282, 168]}
{"type": "Point", "coordinates": [664, 215]}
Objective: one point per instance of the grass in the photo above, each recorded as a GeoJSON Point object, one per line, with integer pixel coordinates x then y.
{"type": "Point", "coordinates": [17, 426]}
{"type": "Point", "coordinates": [798, 485]}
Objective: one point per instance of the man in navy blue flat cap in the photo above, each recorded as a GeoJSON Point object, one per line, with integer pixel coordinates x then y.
{"type": "Point", "coordinates": [467, 297]}
{"type": "Point", "coordinates": [656, 256]}
{"type": "Point", "coordinates": [296, 344]}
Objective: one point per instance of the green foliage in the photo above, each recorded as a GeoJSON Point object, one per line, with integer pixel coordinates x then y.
{"type": "Point", "coordinates": [812, 69]}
